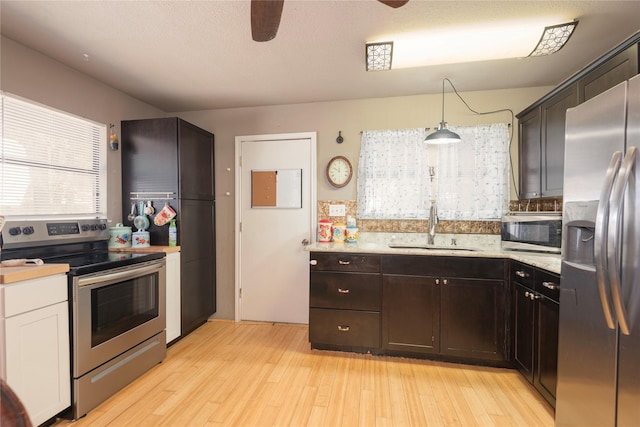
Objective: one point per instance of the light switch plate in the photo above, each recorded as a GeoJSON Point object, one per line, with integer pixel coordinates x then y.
{"type": "Point", "coordinates": [337, 210]}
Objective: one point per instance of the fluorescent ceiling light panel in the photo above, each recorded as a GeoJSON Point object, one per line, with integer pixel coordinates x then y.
{"type": "Point", "coordinates": [379, 56]}
{"type": "Point", "coordinates": [554, 38]}
{"type": "Point", "coordinates": [469, 43]}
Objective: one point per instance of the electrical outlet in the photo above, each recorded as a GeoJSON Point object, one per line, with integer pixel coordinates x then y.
{"type": "Point", "coordinates": [337, 210]}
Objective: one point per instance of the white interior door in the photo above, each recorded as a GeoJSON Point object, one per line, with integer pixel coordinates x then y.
{"type": "Point", "coordinates": [272, 267]}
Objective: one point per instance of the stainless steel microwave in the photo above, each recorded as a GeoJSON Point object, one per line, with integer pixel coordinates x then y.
{"type": "Point", "coordinates": [532, 231]}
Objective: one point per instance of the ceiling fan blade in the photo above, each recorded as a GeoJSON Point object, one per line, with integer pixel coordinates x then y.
{"type": "Point", "coordinates": [394, 3]}
{"type": "Point", "coordinates": [265, 19]}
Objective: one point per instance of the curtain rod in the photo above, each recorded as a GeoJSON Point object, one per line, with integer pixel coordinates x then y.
{"type": "Point", "coordinates": [428, 129]}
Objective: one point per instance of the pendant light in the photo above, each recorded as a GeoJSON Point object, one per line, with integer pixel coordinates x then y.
{"type": "Point", "coordinates": [442, 135]}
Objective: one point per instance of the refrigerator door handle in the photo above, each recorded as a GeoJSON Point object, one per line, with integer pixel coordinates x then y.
{"type": "Point", "coordinates": [600, 238]}
{"type": "Point", "coordinates": [613, 237]}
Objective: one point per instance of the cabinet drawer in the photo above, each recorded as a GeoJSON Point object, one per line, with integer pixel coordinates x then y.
{"type": "Point", "coordinates": [27, 295]}
{"type": "Point", "coordinates": [443, 266]}
{"type": "Point", "coordinates": [548, 284]}
{"type": "Point", "coordinates": [344, 327]}
{"type": "Point", "coordinates": [523, 274]}
{"type": "Point", "coordinates": [321, 261]}
{"type": "Point", "coordinates": [355, 291]}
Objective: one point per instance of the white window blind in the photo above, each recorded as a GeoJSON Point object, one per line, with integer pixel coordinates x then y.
{"type": "Point", "coordinates": [51, 163]}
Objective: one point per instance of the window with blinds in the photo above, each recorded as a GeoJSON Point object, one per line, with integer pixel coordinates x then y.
{"type": "Point", "coordinates": [52, 164]}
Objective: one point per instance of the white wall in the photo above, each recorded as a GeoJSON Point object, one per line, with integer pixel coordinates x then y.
{"type": "Point", "coordinates": [32, 75]}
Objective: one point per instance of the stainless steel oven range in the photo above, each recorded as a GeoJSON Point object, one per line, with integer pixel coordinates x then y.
{"type": "Point", "coordinates": [116, 303]}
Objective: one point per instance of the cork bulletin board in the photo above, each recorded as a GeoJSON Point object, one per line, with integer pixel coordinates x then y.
{"type": "Point", "coordinates": [263, 188]}
{"type": "Point", "coordinates": [280, 188]}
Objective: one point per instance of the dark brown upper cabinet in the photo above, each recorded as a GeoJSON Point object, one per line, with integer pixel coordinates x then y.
{"type": "Point", "coordinates": [541, 126]}
{"type": "Point", "coordinates": [612, 72]}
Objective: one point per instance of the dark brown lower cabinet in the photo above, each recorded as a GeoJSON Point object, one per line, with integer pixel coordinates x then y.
{"type": "Point", "coordinates": [524, 331]}
{"type": "Point", "coordinates": [452, 307]}
{"type": "Point", "coordinates": [536, 311]}
{"type": "Point", "coordinates": [473, 319]}
{"type": "Point", "coordinates": [411, 314]}
{"type": "Point", "coordinates": [460, 318]}
{"type": "Point", "coordinates": [344, 302]}
{"type": "Point", "coordinates": [546, 377]}
{"type": "Point", "coordinates": [449, 308]}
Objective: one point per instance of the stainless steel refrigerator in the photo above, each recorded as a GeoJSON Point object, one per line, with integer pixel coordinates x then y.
{"type": "Point", "coordinates": [599, 336]}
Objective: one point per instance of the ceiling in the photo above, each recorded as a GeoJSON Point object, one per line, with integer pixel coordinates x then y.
{"type": "Point", "coordinates": [199, 55]}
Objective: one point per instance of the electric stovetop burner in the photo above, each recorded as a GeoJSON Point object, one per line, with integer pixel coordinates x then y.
{"type": "Point", "coordinates": [83, 244]}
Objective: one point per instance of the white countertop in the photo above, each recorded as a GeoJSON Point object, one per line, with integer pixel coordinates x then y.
{"type": "Point", "coordinates": [466, 245]}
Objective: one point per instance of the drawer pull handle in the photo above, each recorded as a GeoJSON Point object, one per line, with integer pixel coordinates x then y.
{"type": "Point", "coordinates": [532, 296]}
{"type": "Point", "coordinates": [437, 281]}
{"type": "Point", "coordinates": [445, 281]}
{"type": "Point", "coordinates": [521, 273]}
{"type": "Point", "coordinates": [341, 262]}
{"type": "Point", "coordinates": [343, 291]}
{"type": "Point", "coordinates": [313, 262]}
{"type": "Point", "coordinates": [550, 285]}
{"type": "Point", "coordinates": [343, 328]}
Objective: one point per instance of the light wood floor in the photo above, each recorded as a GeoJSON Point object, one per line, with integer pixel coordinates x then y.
{"type": "Point", "coordinates": [263, 374]}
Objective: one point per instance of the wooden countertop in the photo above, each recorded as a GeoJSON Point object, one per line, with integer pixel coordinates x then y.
{"type": "Point", "coordinates": [150, 249]}
{"type": "Point", "coordinates": [26, 272]}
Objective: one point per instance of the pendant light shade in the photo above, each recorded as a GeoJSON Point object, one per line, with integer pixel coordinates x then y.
{"type": "Point", "coordinates": [442, 135]}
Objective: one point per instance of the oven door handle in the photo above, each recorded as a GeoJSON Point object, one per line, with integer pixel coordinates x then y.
{"type": "Point", "coordinates": [120, 275]}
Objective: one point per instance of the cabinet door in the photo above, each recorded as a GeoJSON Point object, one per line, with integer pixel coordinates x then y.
{"type": "Point", "coordinates": [40, 378]}
{"type": "Point", "coordinates": [198, 268]}
{"type": "Point", "coordinates": [149, 157]}
{"type": "Point", "coordinates": [524, 329]}
{"type": "Point", "coordinates": [473, 318]}
{"type": "Point", "coordinates": [546, 377]}
{"type": "Point", "coordinates": [552, 141]}
{"type": "Point", "coordinates": [410, 314]}
{"type": "Point", "coordinates": [530, 154]}
{"type": "Point", "coordinates": [621, 67]}
{"type": "Point", "coordinates": [196, 162]}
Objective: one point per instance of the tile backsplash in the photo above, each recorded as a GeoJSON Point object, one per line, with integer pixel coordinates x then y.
{"type": "Point", "coordinates": [551, 204]}
{"type": "Point", "coordinates": [405, 225]}
{"type": "Point", "coordinates": [444, 226]}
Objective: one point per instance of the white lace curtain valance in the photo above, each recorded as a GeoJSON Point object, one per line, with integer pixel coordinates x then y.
{"type": "Point", "coordinates": [470, 182]}
{"type": "Point", "coordinates": [473, 175]}
{"type": "Point", "coordinates": [393, 174]}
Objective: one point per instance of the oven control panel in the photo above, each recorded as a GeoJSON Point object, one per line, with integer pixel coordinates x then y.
{"type": "Point", "coordinates": [26, 233]}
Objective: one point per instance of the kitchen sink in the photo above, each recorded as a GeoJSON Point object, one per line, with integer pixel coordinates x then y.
{"type": "Point", "coordinates": [428, 247]}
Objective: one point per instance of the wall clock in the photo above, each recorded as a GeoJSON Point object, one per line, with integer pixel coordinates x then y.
{"type": "Point", "coordinates": [339, 171]}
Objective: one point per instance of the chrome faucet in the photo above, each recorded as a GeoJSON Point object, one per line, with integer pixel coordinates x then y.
{"type": "Point", "coordinates": [433, 220]}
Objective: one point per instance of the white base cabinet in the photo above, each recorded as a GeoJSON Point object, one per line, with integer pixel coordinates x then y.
{"type": "Point", "coordinates": [34, 332]}
{"type": "Point", "coordinates": [173, 327]}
